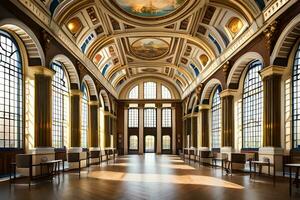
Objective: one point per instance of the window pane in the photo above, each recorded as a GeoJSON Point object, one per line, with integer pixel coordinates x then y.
{"type": "Point", "coordinates": [134, 93]}
{"type": "Point", "coordinates": [11, 90]}
{"type": "Point", "coordinates": [133, 118]}
{"type": "Point", "coordinates": [165, 92]}
{"type": "Point", "coordinates": [60, 106]}
{"type": "Point", "coordinates": [252, 107]}
{"type": "Point", "coordinates": [167, 118]}
{"type": "Point", "coordinates": [216, 119]}
{"type": "Point", "coordinates": [84, 116]}
{"type": "Point", "coordinates": [150, 90]}
{"type": "Point", "coordinates": [296, 100]}
{"type": "Point", "coordinates": [150, 117]}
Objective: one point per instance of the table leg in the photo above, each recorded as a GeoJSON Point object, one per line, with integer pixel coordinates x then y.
{"type": "Point", "coordinates": [297, 178]}
{"type": "Point", "coordinates": [290, 169]}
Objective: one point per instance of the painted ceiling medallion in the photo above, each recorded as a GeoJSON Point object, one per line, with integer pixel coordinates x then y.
{"type": "Point", "coordinates": [149, 48]}
{"type": "Point", "coordinates": [150, 8]}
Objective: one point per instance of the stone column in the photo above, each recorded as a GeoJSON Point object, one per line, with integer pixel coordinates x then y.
{"type": "Point", "coordinates": [271, 77]}
{"type": "Point", "coordinates": [94, 105]}
{"type": "Point", "coordinates": [75, 121]}
{"type": "Point", "coordinates": [107, 130]}
{"type": "Point", "coordinates": [204, 126]}
{"type": "Point", "coordinates": [227, 118]}
{"type": "Point", "coordinates": [141, 128]}
{"type": "Point", "coordinates": [43, 106]}
{"type": "Point", "coordinates": [194, 135]}
{"type": "Point", "coordinates": [125, 130]}
{"type": "Point", "coordinates": [158, 135]}
{"type": "Point", "coordinates": [43, 149]}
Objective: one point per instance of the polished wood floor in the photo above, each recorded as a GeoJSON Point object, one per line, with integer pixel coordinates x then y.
{"type": "Point", "coordinates": [151, 177]}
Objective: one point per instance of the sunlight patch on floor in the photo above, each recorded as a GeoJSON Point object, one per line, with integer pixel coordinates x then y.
{"type": "Point", "coordinates": [164, 178]}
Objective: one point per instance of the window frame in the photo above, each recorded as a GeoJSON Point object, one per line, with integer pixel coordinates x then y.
{"type": "Point", "coordinates": [252, 65]}
{"type": "Point", "coordinates": [216, 108]}
{"type": "Point", "coordinates": [162, 118]}
{"type": "Point", "coordinates": [294, 144]}
{"type": "Point", "coordinates": [144, 118]}
{"type": "Point", "coordinates": [153, 95]}
{"type": "Point", "coordinates": [84, 84]}
{"type": "Point", "coordinates": [21, 139]}
{"type": "Point", "coordinates": [136, 109]}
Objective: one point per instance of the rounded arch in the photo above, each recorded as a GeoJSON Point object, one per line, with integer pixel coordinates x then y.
{"type": "Point", "coordinates": [240, 65]}
{"type": "Point", "coordinates": [209, 88]}
{"type": "Point", "coordinates": [286, 40]}
{"type": "Point", "coordinates": [192, 104]}
{"type": "Point", "coordinates": [91, 85]}
{"type": "Point", "coordinates": [104, 100]}
{"type": "Point", "coordinates": [70, 68]}
{"type": "Point", "coordinates": [31, 42]}
{"type": "Point", "coordinates": [124, 91]}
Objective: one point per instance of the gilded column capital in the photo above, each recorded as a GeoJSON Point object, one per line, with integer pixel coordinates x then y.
{"type": "Point", "coordinates": [94, 103]}
{"type": "Point", "coordinates": [76, 93]}
{"type": "Point", "coordinates": [272, 70]}
{"type": "Point", "coordinates": [203, 107]}
{"type": "Point", "coordinates": [40, 70]}
{"type": "Point", "coordinates": [228, 92]}
{"type": "Point", "coordinates": [269, 33]}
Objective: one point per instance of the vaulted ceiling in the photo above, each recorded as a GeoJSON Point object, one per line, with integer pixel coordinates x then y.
{"type": "Point", "coordinates": [175, 40]}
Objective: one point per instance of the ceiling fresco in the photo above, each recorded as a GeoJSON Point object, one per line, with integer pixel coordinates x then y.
{"type": "Point", "coordinates": [176, 40]}
{"type": "Point", "coordinates": [150, 48]}
{"type": "Point", "coordinates": [150, 8]}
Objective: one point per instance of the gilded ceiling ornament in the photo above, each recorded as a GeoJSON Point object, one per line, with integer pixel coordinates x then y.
{"type": "Point", "coordinates": [269, 33]}
{"type": "Point", "coordinates": [226, 68]}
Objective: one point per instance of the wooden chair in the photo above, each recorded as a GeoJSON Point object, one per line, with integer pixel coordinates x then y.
{"type": "Point", "coordinates": [94, 155]}
{"type": "Point", "coordinates": [294, 157]}
{"type": "Point", "coordinates": [75, 158]}
{"type": "Point", "coordinates": [23, 161]}
{"type": "Point", "coordinates": [61, 154]}
{"type": "Point", "coordinates": [103, 156]}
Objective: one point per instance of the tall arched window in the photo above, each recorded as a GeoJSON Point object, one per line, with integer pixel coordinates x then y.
{"type": "Point", "coordinates": [216, 119]}
{"type": "Point", "coordinates": [60, 106]}
{"type": "Point", "coordinates": [296, 100]}
{"type": "Point", "coordinates": [150, 90]}
{"type": "Point", "coordinates": [165, 92]}
{"type": "Point", "coordinates": [134, 93]}
{"type": "Point", "coordinates": [11, 93]}
{"type": "Point", "coordinates": [252, 107]}
{"type": "Point", "coordinates": [84, 116]}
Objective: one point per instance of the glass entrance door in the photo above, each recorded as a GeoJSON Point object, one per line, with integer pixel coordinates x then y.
{"type": "Point", "coordinates": [149, 144]}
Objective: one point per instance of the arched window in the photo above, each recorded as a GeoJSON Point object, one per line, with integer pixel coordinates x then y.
{"type": "Point", "coordinates": [84, 116]}
{"type": "Point", "coordinates": [150, 90]}
{"type": "Point", "coordinates": [133, 142]}
{"type": "Point", "coordinates": [216, 119]}
{"type": "Point", "coordinates": [60, 106]}
{"type": "Point", "coordinates": [166, 118]}
{"type": "Point", "coordinates": [166, 144]}
{"type": "Point", "coordinates": [134, 93]}
{"type": "Point", "coordinates": [252, 107]}
{"type": "Point", "coordinates": [165, 92]}
{"type": "Point", "coordinates": [296, 100]}
{"type": "Point", "coordinates": [11, 93]}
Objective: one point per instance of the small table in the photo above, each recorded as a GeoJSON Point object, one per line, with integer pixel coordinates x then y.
{"type": "Point", "coordinates": [52, 167]}
{"type": "Point", "coordinates": [297, 167]}
{"type": "Point", "coordinates": [223, 160]}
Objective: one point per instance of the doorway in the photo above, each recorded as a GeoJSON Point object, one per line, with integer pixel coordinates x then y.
{"type": "Point", "coordinates": [149, 144]}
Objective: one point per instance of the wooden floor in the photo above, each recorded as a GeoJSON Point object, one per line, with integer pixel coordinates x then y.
{"type": "Point", "coordinates": [151, 177]}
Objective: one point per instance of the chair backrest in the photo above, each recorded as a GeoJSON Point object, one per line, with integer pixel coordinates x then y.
{"type": "Point", "coordinates": [73, 157]}
{"type": "Point", "coordinates": [295, 155]}
{"type": "Point", "coordinates": [238, 158]}
{"type": "Point", "coordinates": [205, 154]}
{"type": "Point", "coordinates": [94, 154]}
{"type": "Point", "coordinates": [61, 155]}
{"type": "Point", "coordinates": [265, 159]}
{"type": "Point", "coordinates": [103, 152]}
{"type": "Point", "coordinates": [23, 160]}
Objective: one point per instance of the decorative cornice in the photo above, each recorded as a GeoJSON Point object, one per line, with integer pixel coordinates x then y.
{"type": "Point", "coordinates": [269, 33]}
